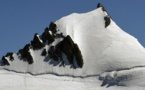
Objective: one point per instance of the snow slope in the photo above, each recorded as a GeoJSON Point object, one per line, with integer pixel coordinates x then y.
{"type": "Point", "coordinates": [111, 58]}
{"type": "Point", "coordinates": [103, 48]}
{"type": "Point", "coordinates": [18, 81]}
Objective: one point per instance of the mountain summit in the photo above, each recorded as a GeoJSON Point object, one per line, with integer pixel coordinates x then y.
{"type": "Point", "coordinates": [87, 45]}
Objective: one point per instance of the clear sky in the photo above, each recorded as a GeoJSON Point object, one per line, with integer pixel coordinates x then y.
{"type": "Point", "coordinates": [20, 19]}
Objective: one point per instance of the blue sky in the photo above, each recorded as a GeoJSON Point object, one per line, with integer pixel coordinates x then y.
{"type": "Point", "coordinates": [20, 19]}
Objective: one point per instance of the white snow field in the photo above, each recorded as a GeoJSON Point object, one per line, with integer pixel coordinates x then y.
{"type": "Point", "coordinates": [113, 59]}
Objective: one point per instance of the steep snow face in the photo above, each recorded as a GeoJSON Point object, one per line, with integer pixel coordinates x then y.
{"type": "Point", "coordinates": [103, 49]}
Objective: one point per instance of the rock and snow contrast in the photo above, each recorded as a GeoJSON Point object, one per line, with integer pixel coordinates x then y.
{"type": "Point", "coordinates": [85, 51]}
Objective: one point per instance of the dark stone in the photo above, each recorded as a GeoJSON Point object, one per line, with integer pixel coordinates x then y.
{"type": "Point", "coordinates": [78, 56]}
{"type": "Point", "coordinates": [10, 55]}
{"type": "Point", "coordinates": [46, 36]}
{"type": "Point", "coordinates": [107, 21]}
{"type": "Point", "coordinates": [67, 46]}
{"type": "Point", "coordinates": [26, 49]}
{"type": "Point", "coordinates": [5, 61]}
{"type": "Point", "coordinates": [52, 54]}
{"type": "Point", "coordinates": [25, 54]}
{"type": "Point", "coordinates": [100, 5]}
{"type": "Point", "coordinates": [58, 52]}
{"type": "Point", "coordinates": [36, 43]}
{"type": "Point", "coordinates": [20, 51]}
{"type": "Point", "coordinates": [44, 52]}
{"type": "Point", "coordinates": [70, 49]}
{"type": "Point", "coordinates": [52, 27]}
{"type": "Point", "coordinates": [29, 58]}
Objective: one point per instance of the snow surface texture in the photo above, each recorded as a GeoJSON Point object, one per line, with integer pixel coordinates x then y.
{"type": "Point", "coordinates": [112, 58]}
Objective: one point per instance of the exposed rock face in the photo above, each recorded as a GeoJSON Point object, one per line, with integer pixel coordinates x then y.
{"type": "Point", "coordinates": [10, 55]}
{"type": "Point", "coordinates": [36, 42]}
{"type": "Point", "coordinates": [100, 5]}
{"type": "Point", "coordinates": [44, 52]}
{"type": "Point", "coordinates": [55, 52]}
{"type": "Point", "coordinates": [4, 61]}
{"type": "Point", "coordinates": [52, 27]}
{"type": "Point", "coordinates": [51, 53]}
{"type": "Point", "coordinates": [26, 55]}
{"type": "Point", "coordinates": [70, 49]}
{"type": "Point", "coordinates": [107, 21]}
{"type": "Point", "coordinates": [78, 56]}
{"type": "Point", "coordinates": [7, 58]}
{"type": "Point", "coordinates": [66, 47]}
{"type": "Point", "coordinates": [107, 17]}
{"type": "Point", "coordinates": [47, 36]}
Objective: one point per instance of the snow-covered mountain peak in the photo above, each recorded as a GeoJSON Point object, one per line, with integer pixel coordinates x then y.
{"type": "Point", "coordinates": [85, 44]}
{"type": "Point", "coordinates": [89, 46]}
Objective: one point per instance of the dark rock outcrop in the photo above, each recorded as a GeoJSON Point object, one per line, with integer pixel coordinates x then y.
{"type": "Point", "coordinates": [78, 56]}
{"type": "Point", "coordinates": [36, 42]}
{"type": "Point", "coordinates": [44, 52]}
{"type": "Point", "coordinates": [52, 53]}
{"type": "Point", "coordinates": [70, 49]}
{"type": "Point", "coordinates": [25, 54]}
{"type": "Point", "coordinates": [107, 17]}
{"type": "Point", "coordinates": [4, 61]}
{"type": "Point", "coordinates": [100, 5]}
{"type": "Point", "coordinates": [10, 55]}
{"type": "Point", "coordinates": [46, 36]}
{"type": "Point", "coordinates": [65, 47]}
{"type": "Point", "coordinates": [107, 21]}
{"type": "Point", "coordinates": [52, 27]}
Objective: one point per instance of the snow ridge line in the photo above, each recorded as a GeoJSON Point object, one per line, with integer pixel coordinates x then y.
{"type": "Point", "coordinates": [51, 73]}
{"type": "Point", "coordinates": [126, 68]}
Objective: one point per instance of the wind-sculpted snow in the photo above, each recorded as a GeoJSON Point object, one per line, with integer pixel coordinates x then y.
{"type": "Point", "coordinates": [89, 48]}
{"type": "Point", "coordinates": [125, 77]}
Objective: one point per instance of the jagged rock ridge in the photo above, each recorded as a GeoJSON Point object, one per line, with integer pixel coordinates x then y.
{"type": "Point", "coordinates": [66, 47]}
{"type": "Point", "coordinates": [70, 49]}
{"type": "Point", "coordinates": [25, 54]}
